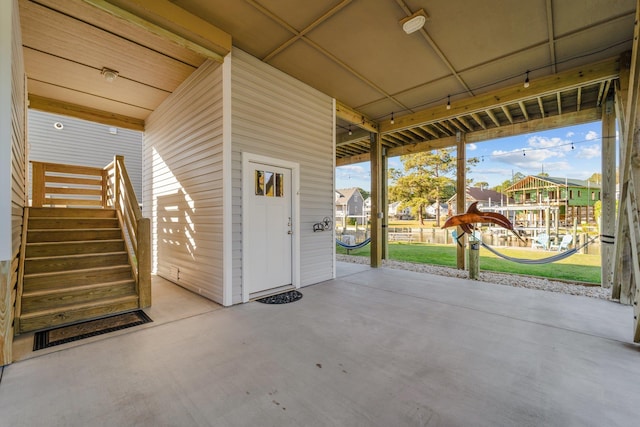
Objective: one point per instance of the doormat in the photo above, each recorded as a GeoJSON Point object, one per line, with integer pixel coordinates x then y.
{"type": "Point", "coordinates": [92, 328]}
{"type": "Point", "coordinates": [283, 298]}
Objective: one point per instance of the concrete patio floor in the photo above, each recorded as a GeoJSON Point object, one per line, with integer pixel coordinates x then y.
{"type": "Point", "coordinates": [371, 348]}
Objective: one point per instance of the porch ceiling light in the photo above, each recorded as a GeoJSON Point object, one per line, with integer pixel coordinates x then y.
{"type": "Point", "coordinates": [413, 23]}
{"type": "Point", "coordinates": [109, 74]}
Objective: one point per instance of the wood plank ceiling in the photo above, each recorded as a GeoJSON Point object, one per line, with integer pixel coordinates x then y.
{"type": "Point", "coordinates": [473, 54]}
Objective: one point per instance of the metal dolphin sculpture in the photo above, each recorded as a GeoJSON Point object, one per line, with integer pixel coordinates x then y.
{"type": "Point", "coordinates": [474, 215]}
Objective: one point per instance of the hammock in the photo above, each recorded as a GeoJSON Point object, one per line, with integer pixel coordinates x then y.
{"type": "Point", "coordinates": [554, 258]}
{"type": "Point", "coordinates": [358, 246]}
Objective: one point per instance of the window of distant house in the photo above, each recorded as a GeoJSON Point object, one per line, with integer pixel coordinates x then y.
{"type": "Point", "coordinates": [579, 193]}
{"type": "Point", "coordinates": [571, 194]}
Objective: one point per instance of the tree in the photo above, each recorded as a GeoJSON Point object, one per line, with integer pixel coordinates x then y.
{"type": "Point", "coordinates": [518, 176]}
{"type": "Point", "coordinates": [427, 178]}
{"type": "Point", "coordinates": [364, 193]}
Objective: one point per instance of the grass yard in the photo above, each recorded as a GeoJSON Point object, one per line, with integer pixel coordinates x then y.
{"type": "Point", "coordinates": [578, 267]}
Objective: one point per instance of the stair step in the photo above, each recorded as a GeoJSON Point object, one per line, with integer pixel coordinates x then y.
{"type": "Point", "coordinates": [46, 223]}
{"type": "Point", "coordinates": [88, 276]}
{"type": "Point", "coordinates": [73, 262]}
{"type": "Point", "coordinates": [34, 250]}
{"type": "Point", "coordinates": [58, 316]}
{"type": "Point", "coordinates": [72, 212]}
{"type": "Point", "coordinates": [65, 235]}
{"type": "Point", "coordinates": [50, 298]}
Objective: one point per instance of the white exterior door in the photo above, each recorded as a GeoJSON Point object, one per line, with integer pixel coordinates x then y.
{"type": "Point", "coordinates": [269, 227]}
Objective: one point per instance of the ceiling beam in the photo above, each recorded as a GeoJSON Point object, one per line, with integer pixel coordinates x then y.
{"type": "Point", "coordinates": [592, 73]}
{"type": "Point", "coordinates": [552, 36]}
{"type": "Point", "coordinates": [85, 113]}
{"type": "Point", "coordinates": [523, 108]}
{"type": "Point", "coordinates": [354, 117]}
{"type": "Point", "coordinates": [536, 125]}
{"type": "Point", "coordinates": [172, 23]}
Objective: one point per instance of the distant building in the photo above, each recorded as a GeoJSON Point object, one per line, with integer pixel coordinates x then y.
{"type": "Point", "coordinates": [395, 210]}
{"type": "Point", "coordinates": [486, 199]}
{"type": "Point", "coordinates": [349, 204]}
{"type": "Point", "coordinates": [573, 198]}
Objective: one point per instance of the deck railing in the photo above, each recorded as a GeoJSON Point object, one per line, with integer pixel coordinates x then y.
{"type": "Point", "coordinates": [59, 185]}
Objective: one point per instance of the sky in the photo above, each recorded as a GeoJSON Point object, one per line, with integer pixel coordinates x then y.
{"type": "Point", "coordinates": [570, 152]}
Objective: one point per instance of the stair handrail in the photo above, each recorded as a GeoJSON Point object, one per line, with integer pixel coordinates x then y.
{"type": "Point", "coordinates": [122, 197]}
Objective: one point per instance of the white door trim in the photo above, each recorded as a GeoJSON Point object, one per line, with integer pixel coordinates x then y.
{"type": "Point", "coordinates": [247, 191]}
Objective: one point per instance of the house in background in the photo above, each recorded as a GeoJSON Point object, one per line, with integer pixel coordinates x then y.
{"type": "Point", "coordinates": [350, 204]}
{"type": "Point", "coordinates": [486, 199]}
{"type": "Point", "coordinates": [432, 210]}
{"type": "Point", "coordinates": [571, 198]}
{"type": "Point", "coordinates": [396, 211]}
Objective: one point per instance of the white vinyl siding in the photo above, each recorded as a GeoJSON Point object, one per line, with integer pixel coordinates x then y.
{"type": "Point", "coordinates": [81, 142]}
{"type": "Point", "coordinates": [277, 116]}
{"type": "Point", "coordinates": [183, 183]}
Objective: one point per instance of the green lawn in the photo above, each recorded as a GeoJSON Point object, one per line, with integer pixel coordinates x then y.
{"type": "Point", "coordinates": [578, 267]}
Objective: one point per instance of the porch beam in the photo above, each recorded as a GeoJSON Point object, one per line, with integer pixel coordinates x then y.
{"type": "Point", "coordinates": [543, 86]}
{"type": "Point", "coordinates": [608, 194]}
{"type": "Point", "coordinates": [171, 22]}
{"type": "Point", "coordinates": [86, 113]}
{"type": "Point", "coordinates": [537, 125]}
{"type": "Point", "coordinates": [461, 191]}
{"type": "Point", "coordinates": [356, 118]}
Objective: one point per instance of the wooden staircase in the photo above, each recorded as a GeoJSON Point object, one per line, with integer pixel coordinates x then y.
{"type": "Point", "coordinates": [76, 264]}
{"type": "Point", "coordinates": [76, 267]}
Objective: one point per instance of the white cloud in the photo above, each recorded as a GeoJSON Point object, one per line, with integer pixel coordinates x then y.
{"type": "Point", "coordinates": [570, 134]}
{"type": "Point", "coordinates": [591, 135]}
{"type": "Point", "coordinates": [472, 147]}
{"type": "Point", "coordinates": [590, 152]}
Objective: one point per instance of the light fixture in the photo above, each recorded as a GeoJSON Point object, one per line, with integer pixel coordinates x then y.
{"type": "Point", "coordinates": [58, 125]}
{"type": "Point", "coordinates": [526, 81]}
{"type": "Point", "coordinates": [109, 74]}
{"type": "Point", "coordinates": [392, 121]}
{"type": "Point", "coordinates": [413, 23]}
{"type": "Point", "coordinates": [448, 102]}
{"type": "Point", "coordinates": [350, 133]}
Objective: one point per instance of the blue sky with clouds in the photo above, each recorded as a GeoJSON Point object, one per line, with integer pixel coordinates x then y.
{"type": "Point", "coordinates": [571, 152]}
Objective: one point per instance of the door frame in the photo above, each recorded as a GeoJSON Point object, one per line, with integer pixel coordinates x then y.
{"type": "Point", "coordinates": [247, 191]}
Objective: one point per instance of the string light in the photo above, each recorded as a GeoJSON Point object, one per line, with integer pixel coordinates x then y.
{"type": "Point", "coordinates": [392, 121]}
{"type": "Point", "coordinates": [526, 81]}
{"type": "Point", "coordinates": [572, 147]}
{"type": "Point", "coordinates": [523, 153]}
{"type": "Point", "coordinates": [448, 102]}
{"type": "Point", "coordinates": [350, 133]}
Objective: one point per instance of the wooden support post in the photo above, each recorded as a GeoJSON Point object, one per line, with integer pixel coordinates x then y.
{"type": "Point", "coordinates": [608, 194]}
{"type": "Point", "coordinates": [37, 190]}
{"type": "Point", "coordinates": [377, 210]}
{"type": "Point", "coordinates": [6, 312]}
{"type": "Point", "coordinates": [116, 179]}
{"type": "Point", "coordinates": [461, 190]}
{"type": "Point", "coordinates": [474, 259]}
{"type": "Point", "coordinates": [144, 262]}
{"type": "Point", "coordinates": [385, 203]}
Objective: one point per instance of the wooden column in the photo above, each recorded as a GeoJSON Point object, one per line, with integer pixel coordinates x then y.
{"type": "Point", "coordinates": [461, 190]}
{"type": "Point", "coordinates": [6, 312]}
{"type": "Point", "coordinates": [385, 204]}
{"type": "Point", "coordinates": [608, 194]}
{"type": "Point", "coordinates": [377, 210]}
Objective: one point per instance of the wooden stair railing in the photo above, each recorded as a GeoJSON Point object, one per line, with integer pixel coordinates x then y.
{"type": "Point", "coordinates": [59, 185]}
{"type": "Point", "coordinates": [120, 195]}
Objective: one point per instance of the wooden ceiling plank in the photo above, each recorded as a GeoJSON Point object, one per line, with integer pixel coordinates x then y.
{"type": "Point", "coordinates": [422, 133]}
{"type": "Point", "coordinates": [85, 113]}
{"type": "Point", "coordinates": [493, 117]}
{"type": "Point", "coordinates": [420, 147]}
{"type": "Point", "coordinates": [441, 129]}
{"type": "Point", "coordinates": [465, 123]}
{"type": "Point", "coordinates": [579, 99]}
{"type": "Point", "coordinates": [123, 28]}
{"type": "Point", "coordinates": [430, 131]}
{"type": "Point", "coordinates": [541, 107]}
{"type": "Point", "coordinates": [523, 108]}
{"type": "Point", "coordinates": [458, 126]}
{"type": "Point", "coordinates": [344, 161]}
{"type": "Point", "coordinates": [600, 93]}
{"type": "Point", "coordinates": [88, 80]}
{"type": "Point", "coordinates": [570, 79]}
{"type": "Point", "coordinates": [354, 117]}
{"type": "Point", "coordinates": [173, 23]}
{"type": "Point", "coordinates": [479, 120]}
{"type": "Point", "coordinates": [507, 113]}
{"type": "Point", "coordinates": [559, 101]}
{"type": "Point", "coordinates": [65, 37]}
{"type": "Point", "coordinates": [46, 90]}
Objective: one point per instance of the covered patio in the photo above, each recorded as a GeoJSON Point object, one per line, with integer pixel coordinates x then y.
{"type": "Point", "coordinates": [373, 347]}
